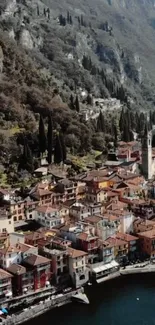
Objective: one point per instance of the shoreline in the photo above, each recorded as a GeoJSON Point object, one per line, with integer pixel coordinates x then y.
{"type": "Point", "coordinates": [51, 302]}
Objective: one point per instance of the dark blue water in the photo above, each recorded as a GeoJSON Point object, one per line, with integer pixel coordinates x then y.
{"type": "Point", "coordinates": [113, 303]}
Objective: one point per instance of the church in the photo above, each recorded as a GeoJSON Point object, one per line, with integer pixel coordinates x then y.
{"type": "Point", "coordinates": [148, 159]}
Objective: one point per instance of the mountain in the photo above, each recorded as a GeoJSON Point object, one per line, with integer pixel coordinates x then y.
{"type": "Point", "coordinates": [50, 50]}
{"type": "Point", "coordinates": [116, 35]}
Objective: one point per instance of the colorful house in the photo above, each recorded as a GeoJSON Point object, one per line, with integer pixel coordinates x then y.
{"type": "Point", "coordinates": [41, 268]}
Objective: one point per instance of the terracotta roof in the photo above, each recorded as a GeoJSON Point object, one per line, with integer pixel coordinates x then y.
{"type": "Point", "coordinates": [24, 247]}
{"type": "Point", "coordinates": [93, 219]}
{"type": "Point", "coordinates": [86, 237]}
{"type": "Point", "coordinates": [46, 209]}
{"type": "Point", "coordinates": [16, 269]}
{"type": "Point", "coordinates": [34, 235]}
{"type": "Point", "coordinates": [74, 253]}
{"type": "Point", "coordinates": [115, 241]}
{"type": "Point", "coordinates": [9, 250]}
{"type": "Point", "coordinates": [149, 234]}
{"type": "Point", "coordinates": [36, 260]}
{"type": "Point", "coordinates": [4, 274]}
{"type": "Point", "coordinates": [126, 237]}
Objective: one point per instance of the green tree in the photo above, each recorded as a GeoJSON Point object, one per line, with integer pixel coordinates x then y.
{"type": "Point", "coordinates": [63, 146]}
{"type": "Point", "coordinates": [122, 120]}
{"type": "Point", "coordinates": [71, 105]}
{"type": "Point", "coordinates": [77, 104]}
{"type": "Point", "coordinates": [42, 136]}
{"type": "Point", "coordinates": [50, 139]}
{"type": "Point", "coordinates": [58, 153]}
{"type": "Point", "coordinates": [100, 123]}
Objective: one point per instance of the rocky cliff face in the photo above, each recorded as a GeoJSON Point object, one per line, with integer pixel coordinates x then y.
{"type": "Point", "coordinates": [117, 36]}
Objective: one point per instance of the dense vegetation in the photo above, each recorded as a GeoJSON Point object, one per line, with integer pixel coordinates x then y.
{"type": "Point", "coordinates": [59, 51]}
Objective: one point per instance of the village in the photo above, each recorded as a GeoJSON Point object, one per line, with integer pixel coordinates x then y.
{"type": "Point", "coordinates": [68, 232]}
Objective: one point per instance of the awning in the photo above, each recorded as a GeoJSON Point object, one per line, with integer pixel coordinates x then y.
{"type": "Point", "coordinates": [100, 280]}
{"type": "Point", "coordinates": [105, 267]}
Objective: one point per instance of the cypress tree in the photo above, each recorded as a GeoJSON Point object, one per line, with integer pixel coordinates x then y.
{"type": "Point", "coordinates": [153, 117]}
{"type": "Point", "coordinates": [100, 123]}
{"type": "Point", "coordinates": [50, 139]}
{"type": "Point", "coordinates": [63, 146]}
{"type": "Point", "coordinates": [27, 158]}
{"type": "Point", "coordinates": [150, 121]}
{"type": "Point", "coordinates": [122, 120]}
{"type": "Point", "coordinates": [58, 154]}
{"type": "Point", "coordinates": [42, 136]}
{"type": "Point", "coordinates": [126, 132]}
{"type": "Point", "coordinates": [70, 20]}
{"type": "Point", "coordinates": [77, 105]}
{"type": "Point", "coordinates": [68, 17]}
{"type": "Point", "coordinates": [29, 162]}
{"type": "Point", "coordinates": [72, 106]}
{"type": "Point", "coordinates": [38, 12]}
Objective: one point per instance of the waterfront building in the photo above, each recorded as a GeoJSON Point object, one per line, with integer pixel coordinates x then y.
{"type": "Point", "coordinates": [147, 242]}
{"type": "Point", "coordinates": [121, 248]}
{"type": "Point", "coordinates": [99, 271]}
{"type": "Point", "coordinates": [132, 242]}
{"type": "Point", "coordinates": [5, 284]}
{"type": "Point", "coordinates": [106, 252]}
{"type": "Point", "coordinates": [78, 267]}
{"type": "Point", "coordinates": [41, 268]}
{"type": "Point", "coordinates": [59, 264]}
{"type": "Point", "coordinates": [89, 243]}
{"type": "Point", "coordinates": [22, 280]}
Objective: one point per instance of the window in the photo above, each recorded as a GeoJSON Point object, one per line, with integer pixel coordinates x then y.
{"type": "Point", "coordinates": [4, 230]}
{"type": "Point", "coordinates": [9, 222]}
{"type": "Point", "coordinates": [9, 255]}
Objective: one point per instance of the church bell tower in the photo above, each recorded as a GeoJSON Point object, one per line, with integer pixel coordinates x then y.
{"type": "Point", "coordinates": [147, 153]}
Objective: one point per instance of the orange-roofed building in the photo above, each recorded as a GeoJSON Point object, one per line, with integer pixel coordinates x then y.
{"type": "Point", "coordinates": [147, 242]}
{"type": "Point", "coordinates": [78, 267]}
{"type": "Point", "coordinates": [89, 243]}
{"type": "Point", "coordinates": [121, 248]}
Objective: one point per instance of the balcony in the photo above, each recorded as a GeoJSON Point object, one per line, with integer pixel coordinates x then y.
{"type": "Point", "coordinates": [5, 284]}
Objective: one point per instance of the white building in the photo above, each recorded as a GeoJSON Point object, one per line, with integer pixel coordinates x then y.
{"type": "Point", "coordinates": [9, 256]}
{"type": "Point", "coordinates": [127, 222]}
{"type": "Point", "coordinates": [79, 211]}
{"type": "Point", "coordinates": [48, 217]}
{"type": "Point", "coordinates": [16, 254]}
{"type": "Point", "coordinates": [77, 267]}
{"type": "Point", "coordinates": [6, 221]}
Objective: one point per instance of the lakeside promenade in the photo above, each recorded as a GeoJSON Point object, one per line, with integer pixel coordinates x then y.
{"type": "Point", "coordinates": [144, 267]}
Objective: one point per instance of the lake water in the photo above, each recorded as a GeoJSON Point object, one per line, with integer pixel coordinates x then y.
{"type": "Point", "coordinates": [112, 303]}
